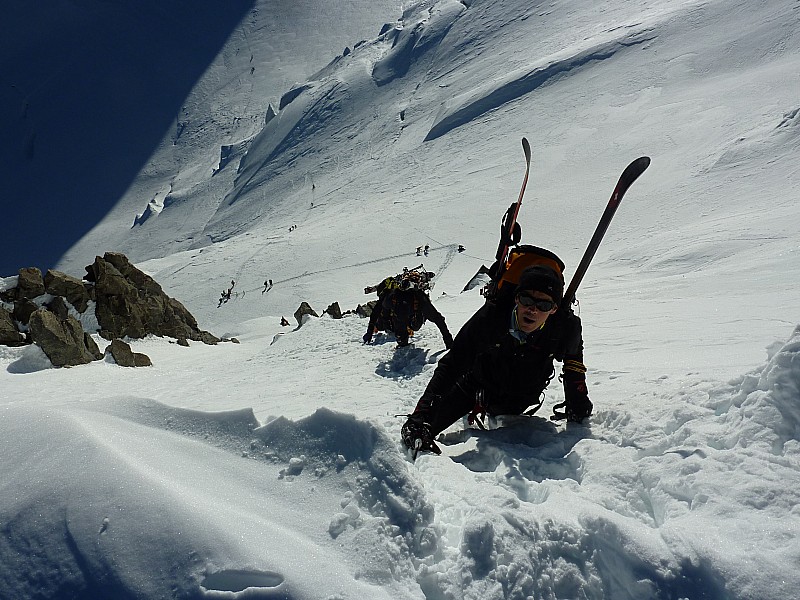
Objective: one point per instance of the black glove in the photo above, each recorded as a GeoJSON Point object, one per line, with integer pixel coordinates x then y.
{"type": "Point", "coordinates": [576, 405]}
{"type": "Point", "coordinates": [367, 337]}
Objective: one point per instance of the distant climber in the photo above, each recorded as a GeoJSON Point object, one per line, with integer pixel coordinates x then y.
{"type": "Point", "coordinates": [403, 307]}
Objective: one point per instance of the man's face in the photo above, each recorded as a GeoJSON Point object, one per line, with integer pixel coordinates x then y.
{"type": "Point", "coordinates": [531, 317]}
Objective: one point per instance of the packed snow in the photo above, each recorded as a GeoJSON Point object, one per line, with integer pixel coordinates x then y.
{"type": "Point", "coordinates": [273, 468]}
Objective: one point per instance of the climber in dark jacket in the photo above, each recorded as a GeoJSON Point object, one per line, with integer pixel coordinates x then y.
{"type": "Point", "coordinates": [501, 361]}
{"type": "Point", "coordinates": [404, 311]}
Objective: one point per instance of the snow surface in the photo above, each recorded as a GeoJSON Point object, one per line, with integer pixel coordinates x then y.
{"type": "Point", "coordinates": [272, 468]}
{"type": "Point", "coordinates": [103, 103]}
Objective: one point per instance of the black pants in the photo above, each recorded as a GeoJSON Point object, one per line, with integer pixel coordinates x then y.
{"type": "Point", "coordinates": [442, 411]}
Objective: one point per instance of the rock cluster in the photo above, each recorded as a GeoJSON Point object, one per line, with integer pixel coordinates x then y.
{"type": "Point", "coordinates": [127, 303]}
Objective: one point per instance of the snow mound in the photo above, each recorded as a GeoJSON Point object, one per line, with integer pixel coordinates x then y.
{"type": "Point", "coordinates": [124, 487]}
{"type": "Point", "coordinates": [329, 441]}
{"type": "Point", "coordinates": [767, 141]}
{"type": "Point", "coordinates": [422, 27]}
{"type": "Point", "coordinates": [765, 412]}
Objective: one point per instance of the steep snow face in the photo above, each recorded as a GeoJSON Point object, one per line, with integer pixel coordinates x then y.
{"type": "Point", "coordinates": [89, 90]}
{"type": "Point", "coordinates": [108, 109]}
{"type": "Point", "coordinates": [413, 136]}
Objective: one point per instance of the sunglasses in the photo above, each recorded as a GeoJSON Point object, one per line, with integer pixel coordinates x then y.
{"type": "Point", "coordinates": [539, 304]}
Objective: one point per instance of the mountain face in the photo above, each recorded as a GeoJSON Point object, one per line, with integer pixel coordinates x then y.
{"type": "Point", "coordinates": [411, 135]}
{"type": "Point", "coordinates": [107, 108]}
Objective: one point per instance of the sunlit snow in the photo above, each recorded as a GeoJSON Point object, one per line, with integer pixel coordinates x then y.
{"type": "Point", "coordinates": [273, 468]}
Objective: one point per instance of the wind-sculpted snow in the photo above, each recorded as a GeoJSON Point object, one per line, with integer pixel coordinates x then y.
{"type": "Point", "coordinates": [470, 105]}
{"type": "Point", "coordinates": [423, 26]}
{"type": "Point", "coordinates": [275, 136]}
{"type": "Point", "coordinates": [770, 140]}
{"type": "Point", "coordinates": [109, 516]}
{"type": "Point", "coordinates": [764, 413]}
{"type": "Point", "coordinates": [328, 441]}
{"type": "Point", "coordinates": [273, 468]}
{"type": "Point", "coordinates": [535, 541]}
{"type": "Point", "coordinates": [662, 494]}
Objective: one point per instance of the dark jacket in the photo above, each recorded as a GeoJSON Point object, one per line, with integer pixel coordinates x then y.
{"type": "Point", "coordinates": [511, 373]}
{"type": "Point", "coordinates": [400, 310]}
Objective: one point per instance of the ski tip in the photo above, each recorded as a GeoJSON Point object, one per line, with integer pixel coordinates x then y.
{"type": "Point", "coordinates": [632, 172]}
{"type": "Point", "coordinates": [526, 147]}
{"type": "Point", "coordinates": [639, 165]}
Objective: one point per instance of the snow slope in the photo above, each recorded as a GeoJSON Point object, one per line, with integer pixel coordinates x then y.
{"type": "Point", "coordinates": [272, 468]}
{"type": "Point", "coordinates": [107, 108]}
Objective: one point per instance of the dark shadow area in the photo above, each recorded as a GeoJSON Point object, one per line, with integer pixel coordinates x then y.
{"type": "Point", "coordinates": [88, 89]}
{"type": "Point", "coordinates": [405, 363]}
{"type": "Point", "coordinates": [533, 448]}
{"type": "Point", "coordinates": [237, 580]}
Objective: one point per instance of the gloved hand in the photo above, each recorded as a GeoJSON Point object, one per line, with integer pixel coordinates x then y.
{"type": "Point", "coordinates": [576, 405]}
{"type": "Point", "coordinates": [367, 337]}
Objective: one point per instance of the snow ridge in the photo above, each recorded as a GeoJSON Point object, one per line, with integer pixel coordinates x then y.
{"type": "Point", "coordinates": [470, 105]}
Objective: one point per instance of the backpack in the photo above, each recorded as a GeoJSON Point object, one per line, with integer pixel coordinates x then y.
{"type": "Point", "coordinates": [401, 310]}
{"type": "Point", "coordinates": [506, 277]}
{"type": "Point", "coordinates": [416, 278]}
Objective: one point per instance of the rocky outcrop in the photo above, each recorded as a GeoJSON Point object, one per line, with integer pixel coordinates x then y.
{"type": "Point", "coordinates": [30, 284]}
{"type": "Point", "coordinates": [64, 341]}
{"type": "Point", "coordinates": [128, 303]}
{"type": "Point", "coordinates": [124, 356]}
{"type": "Point", "coordinates": [365, 310]}
{"type": "Point", "coordinates": [334, 311]}
{"type": "Point", "coordinates": [23, 309]}
{"type": "Point", "coordinates": [74, 290]}
{"type": "Point", "coordinates": [302, 311]}
{"type": "Point", "coordinates": [9, 335]}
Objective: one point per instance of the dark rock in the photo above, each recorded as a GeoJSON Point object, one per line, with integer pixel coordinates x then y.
{"type": "Point", "coordinates": [141, 360]}
{"type": "Point", "coordinates": [124, 356]}
{"type": "Point", "coordinates": [30, 284]}
{"type": "Point", "coordinates": [59, 306]}
{"type": "Point", "coordinates": [23, 309]}
{"type": "Point", "coordinates": [334, 311]}
{"type": "Point", "coordinates": [71, 288]}
{"type": "Point", "coordinates": [131, 304]}
{"type": "Point", "coordinates": [9, 335]}
{"type": "Point", "coordinates": [62, 340]}
{"type": "Point", "coordinates": [304, 309]}
{"type": "Point", "coordinates": [365, 310]}
{"type": "Point", "coordinates": [128, 303]}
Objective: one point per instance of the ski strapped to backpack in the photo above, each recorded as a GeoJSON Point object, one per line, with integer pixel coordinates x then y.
{"type": "Point", "coordinates": [510, 232]}
{"type": "Point", "coordinates": [629, 175]}
{"type": "Point", "coordinates": [511, 261]}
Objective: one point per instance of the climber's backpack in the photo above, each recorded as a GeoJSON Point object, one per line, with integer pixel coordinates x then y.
{"type": "Point", "coordinates": [506, 277]}
{"type": "Point", "coordinates": [401, 309]}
